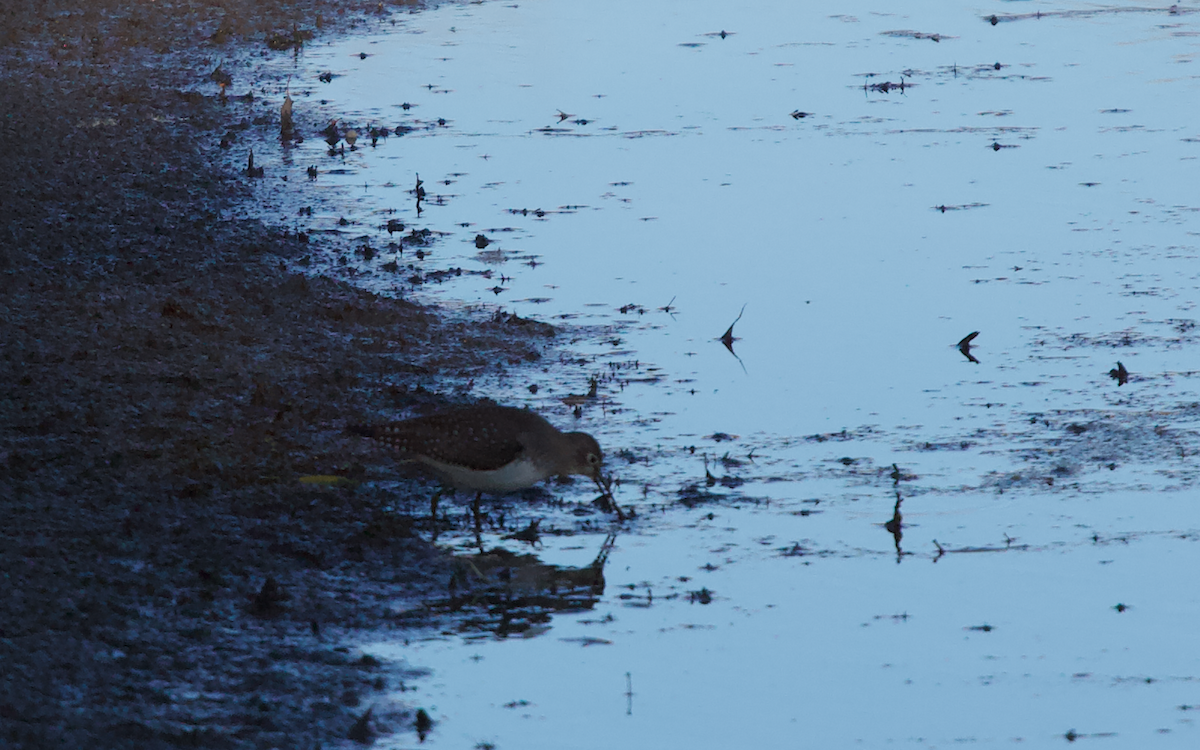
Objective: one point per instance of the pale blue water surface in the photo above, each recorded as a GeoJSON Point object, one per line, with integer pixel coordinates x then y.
{"type": "Point", "coordinates": [864, 239]}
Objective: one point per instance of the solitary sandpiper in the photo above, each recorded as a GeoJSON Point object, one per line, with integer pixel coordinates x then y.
{"type": "Point", "coordinates": [491, 449]}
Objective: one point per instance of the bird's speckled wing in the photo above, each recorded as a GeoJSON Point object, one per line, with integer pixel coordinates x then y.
{"type": "Point", "coordinates": [478, 443]}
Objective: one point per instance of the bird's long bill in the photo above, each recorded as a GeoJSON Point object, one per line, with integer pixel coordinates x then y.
{"type": "Point", "coordinates": [606, 497]}
{"type": "Point", "coordinates": [604, 485]}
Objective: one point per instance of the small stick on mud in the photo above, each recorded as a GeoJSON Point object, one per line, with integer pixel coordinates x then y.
{"type": "Point", "coordinates": [286, 126]}
{"type": "Point", "coordinates": [251, 170]}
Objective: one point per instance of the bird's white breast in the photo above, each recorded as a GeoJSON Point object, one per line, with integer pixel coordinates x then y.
{"type": "Point", "coordinates": [517, 475]}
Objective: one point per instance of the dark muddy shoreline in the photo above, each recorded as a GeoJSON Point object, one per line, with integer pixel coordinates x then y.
{"type": "Point", "coordinates": [165, 384]}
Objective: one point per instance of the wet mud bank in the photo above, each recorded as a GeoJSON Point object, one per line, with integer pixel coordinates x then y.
{"type": "Point", "coordinates": [186, 548]}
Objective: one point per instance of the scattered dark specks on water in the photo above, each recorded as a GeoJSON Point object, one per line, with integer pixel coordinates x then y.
{"type": "Point", "coordinates": [962, 207]}
{"type": "Point", "coordinates": [798, 115]}
{"type": "Point", "coordinates": [952, 445]}
{"type": "Point", "coordinates": [691, 44]}
{"type": "Point", "coordinates": [422, 723]}
{"type": "Point", "coordinates": [1120, 607]}
{"type": "Point", "coordinates": [916, 35]}
{"type": "Point", "coordinates": [1089, 184]}
{"type": "Point", "coordinates": [1008, 547]}
{"type": "Point", "coordinates": [693, 495]}
{"type": "Point", "coordinates": [587, 640]}
{"type": "Point", "coordinates": [728, 338]}
{"type": "Point", "coordinates": [964, 346]}
{"type": "Point", "coordinates": [984, 628]}
{"type": "Point", "coordinates": [1119, 374]}
{"type": "Point", "coordinates": [325, 77]}
{"type": "Point", "coordinates": [728, 481]}
{"type": "Point", "coordinates": [703, 596]}
{"type": "Point", "coordinates": [886, 87]}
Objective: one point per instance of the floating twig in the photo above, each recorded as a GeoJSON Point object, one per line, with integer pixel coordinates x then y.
{"type": "Point", "coordinates": [1119, 374]}
{"type": "Point", "coordinates": [728, 338]}
{"type": "Point", "coordinates": [964, 346]}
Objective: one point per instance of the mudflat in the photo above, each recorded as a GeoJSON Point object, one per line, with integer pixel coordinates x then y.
{"type": "Point", "coordinates": [187, 557]}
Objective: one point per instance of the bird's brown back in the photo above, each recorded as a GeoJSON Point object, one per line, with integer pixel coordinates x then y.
{"type": "Point", "coordinates": [482, 438]}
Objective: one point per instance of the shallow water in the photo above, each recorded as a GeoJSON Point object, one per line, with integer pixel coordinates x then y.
{"type": "Point", "coordinates": [1049, 203]}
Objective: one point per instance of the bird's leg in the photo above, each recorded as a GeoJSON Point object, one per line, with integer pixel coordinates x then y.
{"type": "Point", "coordinates": [433, 506]}
{"type": "Point", "coordinates": [478, 521]}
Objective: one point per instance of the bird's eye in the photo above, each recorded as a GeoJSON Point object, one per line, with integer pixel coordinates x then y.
{"type": "Point", "coordinates": [593, 459]}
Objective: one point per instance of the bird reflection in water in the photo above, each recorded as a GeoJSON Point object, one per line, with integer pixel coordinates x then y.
{"type": "Point", "coordinates": [508, 593]}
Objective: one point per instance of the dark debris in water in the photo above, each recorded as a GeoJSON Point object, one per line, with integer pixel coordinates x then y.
{"type": "Point", "coordinates": [1119, 374]}
{"type": "Point", "coordinates": [1171, 10]}
{"type": "Point", "coordinates": [1175, 333]}
{"type": "Point", "coordinates": [906, 34]}
{"type": "Point", "coordinates": [1083, 445]}
{"type": "Point", "coordinates": [943, 208]}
